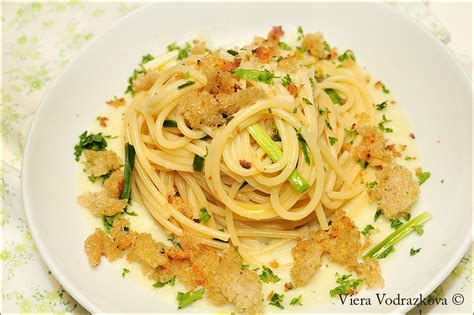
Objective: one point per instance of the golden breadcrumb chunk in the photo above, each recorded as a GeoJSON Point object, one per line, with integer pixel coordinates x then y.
{"type": "Point", "coordinates": [182, 207]}
{"type": "Point", "coordinates": [99, 163]}
{"type": "Point", "coordinates": [199, 108]}
{"type": "Point", "coordinates": [372, 148]}
{"type": "Point", "coordinates": [289, 64]}
{"type": "Point", "coordinates": [147, 253]}
{"type": "Point", "coordinates": [99, 203]}
{"type": "Point", "coordinates": [98, 245]}
{"type": "Point", "coordinates": [231, 103]}
{"type": "Point", "coordinates": [113, 184]}
{"type": "Point", "coordinates": [396, 191]}
{"type": "Point", "coordinates": [342, 243]}
{"type": "Point", "coordinates": [144, 81]}
{"type": "Point", "coordinates": [116, 102]}
{"type": "Point", "coordinates": [369, 272]}
{"type": "Point", "coordinates": [122, 236]}
{"type": "Point", "coordinates": [307, 259]}
{"type": "Point", "coordinates": [314, 43]}
{"type": "Point", "coordinates": [275, 34]}
{"type": "Point", "coordinates": [264, 53]}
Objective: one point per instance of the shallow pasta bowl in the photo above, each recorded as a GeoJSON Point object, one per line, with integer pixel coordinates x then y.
{"type": "Point", "coordinates": [426, 79]}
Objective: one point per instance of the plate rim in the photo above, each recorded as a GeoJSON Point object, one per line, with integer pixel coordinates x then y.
{"type": "Point", "coordinates": [85, 301]}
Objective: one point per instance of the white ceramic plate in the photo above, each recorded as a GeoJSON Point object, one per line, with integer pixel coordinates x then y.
{"type": "Point", "coordinates": [429, 84]}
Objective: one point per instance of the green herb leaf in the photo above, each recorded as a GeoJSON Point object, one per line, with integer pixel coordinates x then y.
{"type": "Point", "coordinates": [348, 54]}
{"type": "Point", "coordinates": [324, 111]}
{"type": "Point", "coordinates": [108, 222]}
{"type": "Point", "coordinates": [378, 213]}
{"type": "Point", "coordinates": [371, 184]}
{"type": "Point", "coordinates": [198, 163]}
{"type": "Point", "coordinates": [147, 58]}
{"type": "Point", "coordinates": [307, 101]}
{"type": "Point", "coordinates": [175, 243]}
{"type": "Point", "coordinates": [284, 46]}
{"type": "Point", "coordinates": [304, 148]}
{"type": "Point", "coordinates": [422, 177]}
{"type": "Point", "coordinates": [296, 301]}
{"type": "Point", "coordinates": [184, 52]}
{"type": "Point", "coordinates": [96, 142]}
{"type": "Point", "coordinates": [350, 133]}
{"type": "Point", "coordinates": [184, 299]}
{"type": "Point", "coordinates": [419, 229]}
{"type": "Point", "coordinates": [407, 217]}
{"type": "Point", "coordinates": [268, 276]}
{"type": "Point", "coordinates": [408, 158]}
{"type": "Point", "coordinates": [124, 272]}
{"type": "Point", "coordinates": [244, 267]}
{"type": "Point", "coordinates": [326, 46]}
{"type": "Point", "coordinates": [172, 47]}
{"type": "Point", "coordinates": [381, 106]}
{"type": "Point", "coordinates": [263, 76]}
{"type": "Point", "coordinates": [386, 252]}
{"type": "Point", "coordinates": [286, 80]}
{"type": "Point", "coordinates": [367, 230]}
{"type": "Point", "coordinates": [382, 125]}
{"type": "Point", "coordinates": [170, 123]}
{"type": "Point", "coordinates": [186, 84]}
{"type": "Point", "coordinates": [232, 52]}
{"type": "Point", "coordinates": [395, 223]}
{"type": "Point", "coordinates": [92, 178]}
{"type": "Point", "coordinates": [160, 284]}
{"type": "Point", "coordinates": [276, 300]}
{"type": "Point", "coordinates": [347, 285]}
{"type": "Point", "coordinates": [334, 96]}
{"type": "Point", "coordinates": [332, 140]}
{"type": "Point", "coordinates": [203, 215]}
{"type": "Point", "coordinates": [300, 33]}
{"type": "Point", "coordinates": [363, 164]}
{"type": "Point", "coordinates": [385, 90]}
{"type": "Point", "coordinates": [128, 171]}
{"type": "Point", "coordinates": [413, 251]}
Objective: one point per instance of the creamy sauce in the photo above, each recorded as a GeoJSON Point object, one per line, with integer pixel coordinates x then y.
{"type": "Point", "coordinates": [316, 292]}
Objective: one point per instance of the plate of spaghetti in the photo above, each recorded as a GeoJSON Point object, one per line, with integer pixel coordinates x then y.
{"type": "Point", "coordinates": [253, 167]}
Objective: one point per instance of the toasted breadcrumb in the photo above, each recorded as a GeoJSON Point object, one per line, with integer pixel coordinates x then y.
{"type": "Point", "coordinates": [245, 164]}
{"type": "Point", "coordinates": [307, 259]}
{"type": "Point", "coordinates": [116, 102]}
{"type": "Point", "coordinates": [275, 34]}
{"type": "Point", "coordinates": [292, 89]}
{"type": "Point", "coordinates": [199, 108]}
{"type": "Point", "coordinates": [121, 234]}
{"type": "Point", "coordinates": [369, 272]}
{"type": "Point", "coordinates": [113, 184]}
{"type": "Point", "coordinates": [144, 81]}
{"type": "Point", "coordinates": [372, 148]}
{"type": "Point", "coordinates": [102, 121]}
{"type": "Point", "coordinates": [231, 103]}
{"type": "Point", "coordinates": [100, 203]}
{"type": "Point", "coordinates": [396, 191]}
{"type": "Point", "coordinates": [147, 253]}
{"type": "Point", "coordinates": [182, 207]}
{"type": "Point", "coordinates": [314, 43]}
{"type": "Point", "coordinates": [264, 53]}
{"type": "Point", "coordinates": [99, 163]}
{"type": "Point", "coordinates": [342, 243]}
{"type": "Point", "coordinates": [98, 245]}
{"type": "Point", "coordinates": [289, 64]}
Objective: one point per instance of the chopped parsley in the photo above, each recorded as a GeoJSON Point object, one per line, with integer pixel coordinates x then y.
{"type": "Point", "coordinates": [324, 111]}
{"type": "Point", "coordinates": [136, 72]}
{"type": "Point", "coordinates": [276, 300]}
{"type": "Point", "coordinates": [300, 33]}
{"type": "Point", "coordinates": [422, 177]}
{"type": "Point", "coordinates": [363, 164]}
{"type": "Point", "coordinates": [332, 140]}
{"type": "Point", "coordinates": [378, 213]}
{"type": "Point", "coordinates": [386, 252]}
{"type": "Point", "coordinates": [367, 230]}
{"type": "Point", "coordinates": [371, 184]}
{"type": "Point", "coordinates": [108, 221]}
{"type": "Point", "coordinates": [232, 52]}
{"type": "Point", "coordinates": [304, 148]}
{"type": "Point", "coordinates": [284, 46]}
{"type": "Point", "coordinates": [244, 267]}
{"type": "Point", "coordinates": [350, 133]}
{"type": "Point", "coordinates": [381, 106]}
{"type": "Point", "coordinates": [203, 215]}
{"type": "Point", "coordinates": [184, 299]}
{"type": "Point", "coordinates": [334, 96]}
{"type": "Point", "coordinates": [311, 81]}
{"type": "Point", "coordinates": [385, 90]}
{"type": "Point", "coordinates": [160, 284]}
{"type": "Point", "coordinates": [286, 80]}
{"type": "Point", "coordinates": [296, 301]}
{"type": "Point", "coordinates": [407, 217]}
{"type": "Point", "coordinates": [278, 58]}
{"type": "Point", "coordinates": [395, 223]}
{"type": "Point", "coordinates": [96, 142]}
{"type": "Point", "coordinates": [186, 84]}
{"type": "Point", "coordinates": [175, 243]}
{"type": "Point", "coordinates": [124, 272]}
{"type": "Point", "coordinates": [147, 58]}
{"type": "Point", "coordinates": [413, 251]}
{"type": "Point", "coordinates": [263, 76]}
{"type": "Point", "coordinates": [382, 125]}
{"type": "Point", "coordinates": [268, 276]}
{"type": "Point", "coordinates": [347, 285]}
{"type": "Point", "coordinates": [326, 46]}
{"type": "Point", "coordinates": [92, 178]}
{"type": "Point", "coordinates": [198, 163]}
{"type": "Point", "coordinates": [170, 123]}
{"type": "Point", "coordinates": [306, 101]}
{"type": "Point", "coordinates": [348, 54]}
{"type": "Point", "coordinates": [409, 158]}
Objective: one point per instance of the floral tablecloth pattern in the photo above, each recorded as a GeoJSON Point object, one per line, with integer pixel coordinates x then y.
{"type": "Point", "coordinates": [39, 39]}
